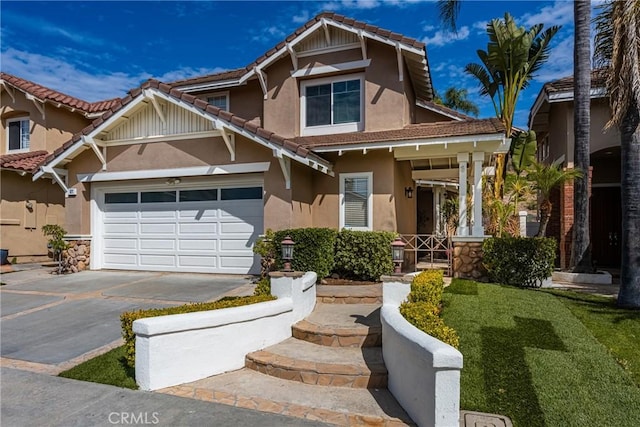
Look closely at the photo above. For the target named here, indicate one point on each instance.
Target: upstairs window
(221, 101)
(332, 105)
(18, 134)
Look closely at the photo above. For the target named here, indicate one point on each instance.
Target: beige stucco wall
(49, 133)
(21, 228)
(405, 208)
(179, 154)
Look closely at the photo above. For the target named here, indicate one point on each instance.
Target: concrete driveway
(50, 323)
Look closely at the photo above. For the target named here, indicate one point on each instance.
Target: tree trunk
(581, 249)
(545, 215)
(629, 295)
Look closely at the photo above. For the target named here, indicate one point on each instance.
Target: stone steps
(342, 325)
(333, 405)
(345, 294)
(309, 363)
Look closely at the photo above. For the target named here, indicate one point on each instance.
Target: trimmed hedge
(127, 318)
(263, 287)
(364, 255)
(519, 261)
(427, 287)
(313, 250)
(422, 308)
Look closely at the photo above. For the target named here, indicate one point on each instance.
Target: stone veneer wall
(467, 261)
(77, 256)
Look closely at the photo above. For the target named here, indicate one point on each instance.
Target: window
(356, 201)
(241, 193)
(113, 198)
(220, 101)
(198, 195)
(18, 134)
(158, 196)
(332, 105)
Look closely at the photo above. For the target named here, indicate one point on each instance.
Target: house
(333, 127)
(552, 118)
(35, 121)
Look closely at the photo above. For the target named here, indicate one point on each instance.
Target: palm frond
(449, 11)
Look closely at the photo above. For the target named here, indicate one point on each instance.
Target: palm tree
(581, 248)
(457, 99)
(513, 56)
(618, 47)
(546, 178)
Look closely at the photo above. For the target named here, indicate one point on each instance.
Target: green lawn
(109, 368)
(528, 355)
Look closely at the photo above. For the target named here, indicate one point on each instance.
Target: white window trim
(330, 129)
(225, 94)
(369, 177)
(18, 119)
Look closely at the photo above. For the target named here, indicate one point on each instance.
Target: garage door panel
(158, 228)
(236, 228)
(198, 228)
(197, 261)
(125, 243)
(121, 213)
(157, 260)
(236, 262)
(120, 228)
(197, 245)
(198, 214)
(116, 259)
(158, 244)
(159, 213)
(236, 245)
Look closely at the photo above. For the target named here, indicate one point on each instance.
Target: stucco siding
(20, 227)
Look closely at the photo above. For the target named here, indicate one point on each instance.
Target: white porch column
(463, 227)
(478, 228)
(436, 210)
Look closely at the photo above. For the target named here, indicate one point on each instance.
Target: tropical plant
(513, 56)
(581, 247)
(523, 151)
(617, 46)
(545, 179)
(458, 99)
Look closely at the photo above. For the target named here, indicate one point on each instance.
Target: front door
(606, 218)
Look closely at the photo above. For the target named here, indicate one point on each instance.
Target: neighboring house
(35, 121)
(333, 127)
(552, 119)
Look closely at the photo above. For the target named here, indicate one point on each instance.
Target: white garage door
(204, 230)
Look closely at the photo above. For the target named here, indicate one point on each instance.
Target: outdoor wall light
(397, 255)
(408, 192)
(287, 252)
(173, 181)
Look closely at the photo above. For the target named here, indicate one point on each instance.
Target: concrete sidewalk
(30, 399)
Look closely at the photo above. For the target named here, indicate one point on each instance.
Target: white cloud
(480, 27)
(560, 62)
(367, 4)
(268, 34)
(68, 78)
(443, 37)
(301, 18)
(559, 13)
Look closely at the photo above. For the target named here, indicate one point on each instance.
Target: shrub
(427, 287)
(313, 250)
(127, 318)
(520, 261)
(364, 255)
(263, 287)
(266, 248)
(424, 316)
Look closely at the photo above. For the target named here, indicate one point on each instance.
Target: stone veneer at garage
(77, 256)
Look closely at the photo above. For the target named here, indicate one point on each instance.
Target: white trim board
(175, 172)
(333, 68)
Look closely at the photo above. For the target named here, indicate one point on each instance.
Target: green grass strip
(109, 368)
(527, 356)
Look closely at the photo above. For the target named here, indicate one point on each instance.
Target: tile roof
(598, 80)
(446, 110)
(237, 73)
(410, 132)
(202, 105)
(46, 94)
(23, 161)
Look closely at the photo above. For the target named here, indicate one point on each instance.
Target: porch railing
(428, 251)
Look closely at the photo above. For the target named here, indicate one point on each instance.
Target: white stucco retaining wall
(424, 372)
(180, 348)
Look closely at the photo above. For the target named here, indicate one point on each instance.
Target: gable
(147, 122)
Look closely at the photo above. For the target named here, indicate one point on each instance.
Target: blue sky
(99, 50)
